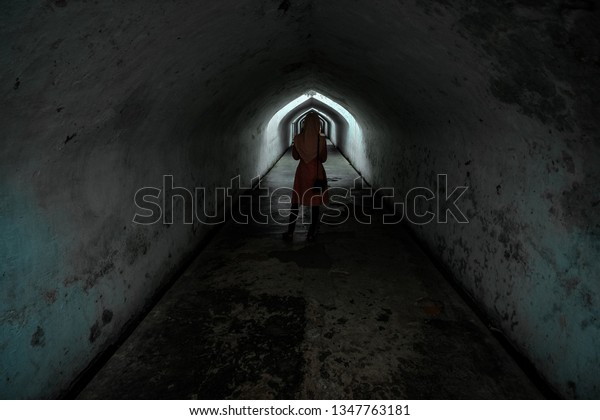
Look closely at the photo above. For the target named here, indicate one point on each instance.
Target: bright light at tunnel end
(355, 133)
(245, 205)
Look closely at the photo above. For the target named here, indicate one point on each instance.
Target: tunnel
(102, 99)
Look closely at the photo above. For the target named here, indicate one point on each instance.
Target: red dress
(306, 174)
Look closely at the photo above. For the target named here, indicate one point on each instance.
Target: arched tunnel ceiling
(412, 59)
(298, 122)
(326, 111)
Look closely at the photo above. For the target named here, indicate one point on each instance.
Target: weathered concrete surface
(99, 100)
(102, 98)
(502, 97)
(359, 314)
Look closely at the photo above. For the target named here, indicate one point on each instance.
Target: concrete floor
(361, 313)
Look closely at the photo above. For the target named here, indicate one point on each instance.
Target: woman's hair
(306, 141)
(311, 114)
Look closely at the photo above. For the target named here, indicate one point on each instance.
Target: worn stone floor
(361, 313)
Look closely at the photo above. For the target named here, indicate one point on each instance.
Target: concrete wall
(100, 99)
(502, 97)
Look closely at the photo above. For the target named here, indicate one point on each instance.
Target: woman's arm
(295, 153)
(323, 149)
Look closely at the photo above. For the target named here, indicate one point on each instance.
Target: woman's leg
(313, 230)
(292, 221)
(293, 217)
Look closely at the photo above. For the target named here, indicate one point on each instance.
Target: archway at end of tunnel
(327, 126)
(342, 126)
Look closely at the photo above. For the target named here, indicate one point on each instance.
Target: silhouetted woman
(310, 168)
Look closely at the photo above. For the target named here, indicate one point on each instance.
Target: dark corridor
(359, 314)
(102, 100)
